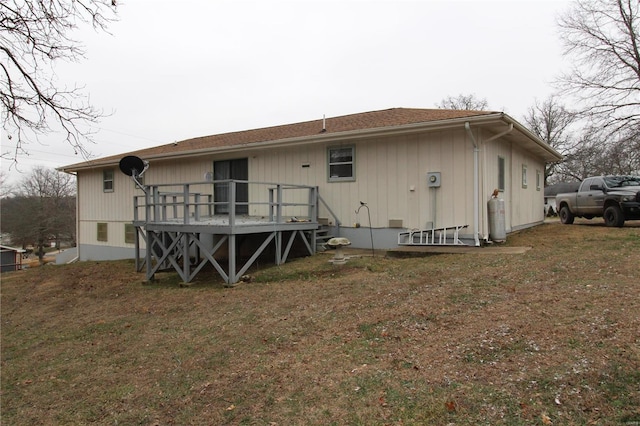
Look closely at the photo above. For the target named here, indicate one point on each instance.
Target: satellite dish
(133, 166)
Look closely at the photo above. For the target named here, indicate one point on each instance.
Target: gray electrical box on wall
(433, 179)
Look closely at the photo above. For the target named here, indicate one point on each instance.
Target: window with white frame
(107, 180)
(341, 164)
(524, 175)
(538, 180)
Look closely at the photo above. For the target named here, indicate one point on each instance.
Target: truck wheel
(566, 216)
(613, 216)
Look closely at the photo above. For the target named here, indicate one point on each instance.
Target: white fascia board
(334, 137)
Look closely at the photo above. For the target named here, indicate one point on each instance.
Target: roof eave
(330, 137)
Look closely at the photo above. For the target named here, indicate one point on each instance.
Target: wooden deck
(182, 227)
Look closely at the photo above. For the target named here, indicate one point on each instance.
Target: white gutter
(302, 140)
(480, 120)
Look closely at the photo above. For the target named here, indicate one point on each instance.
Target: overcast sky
(173, 70)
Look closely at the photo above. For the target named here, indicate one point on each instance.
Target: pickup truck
(615, 198)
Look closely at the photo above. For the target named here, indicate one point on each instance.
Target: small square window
(102, 232)
(129, 233)
(107, 180)
(341, 164)
(524, 175)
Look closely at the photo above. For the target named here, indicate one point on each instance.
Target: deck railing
(189, 203)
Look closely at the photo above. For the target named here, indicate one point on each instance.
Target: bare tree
(43, 208)
(584, 161)
(33, 36)
(602, 37)
(5, 187)
(464, 102)
(551, 122)
(622, 155)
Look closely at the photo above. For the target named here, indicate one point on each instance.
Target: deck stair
(447, 236)
(323, 234)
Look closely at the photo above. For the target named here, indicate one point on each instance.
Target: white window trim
(351, 178)
(105, 180)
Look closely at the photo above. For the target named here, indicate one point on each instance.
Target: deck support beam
(172, 250)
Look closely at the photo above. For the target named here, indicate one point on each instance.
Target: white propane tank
(497, 227)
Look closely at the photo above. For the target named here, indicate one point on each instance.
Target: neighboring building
(10, 259)
(382, 158)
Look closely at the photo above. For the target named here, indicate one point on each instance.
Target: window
(129, 233)
(538, 180)
(107, 180)
(524, 175)
(102, 232)
(341, 164)
(500, 173)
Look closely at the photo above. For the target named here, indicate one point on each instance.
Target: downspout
(75, 259)
(476, 178)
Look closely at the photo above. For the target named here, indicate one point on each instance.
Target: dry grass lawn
(551, 336)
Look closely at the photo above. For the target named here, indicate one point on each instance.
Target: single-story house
(415, 169)
(10, 258)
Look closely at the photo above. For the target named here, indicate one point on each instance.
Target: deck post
(137, 248)
(279, 204)
(278, 247)
(232, 278)
(150, 242)
(156, 202)
(232, 204)
(196, 213)
(271, 204)
(174, 200)
(147, 207)
(313, 204)
(186, 261)
(185, 200)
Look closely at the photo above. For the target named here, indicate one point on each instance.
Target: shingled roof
(363, 121)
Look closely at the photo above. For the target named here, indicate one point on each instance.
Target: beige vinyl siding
(489, 172)
(523, 206)
(105, 206)
(386, 169)
(528, 203)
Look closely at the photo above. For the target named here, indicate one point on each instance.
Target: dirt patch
(548, 335)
